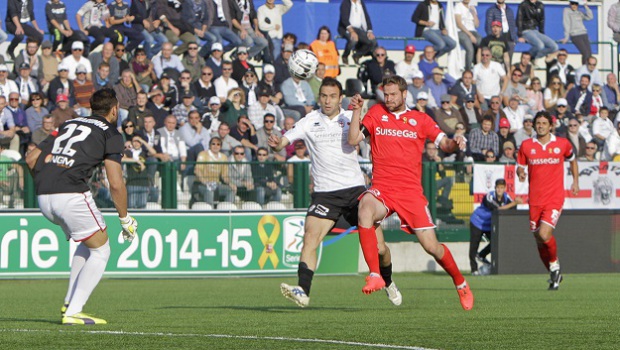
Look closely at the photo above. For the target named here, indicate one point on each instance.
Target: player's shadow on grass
(271, 309)
(13, 319)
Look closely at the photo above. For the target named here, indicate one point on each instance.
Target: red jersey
(545, 167)
(397, 143)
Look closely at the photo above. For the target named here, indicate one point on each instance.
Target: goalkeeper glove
(130, 227)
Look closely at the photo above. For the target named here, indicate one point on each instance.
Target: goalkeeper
(61, 166)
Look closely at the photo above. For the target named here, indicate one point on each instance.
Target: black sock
(386, 273)
(305, 275)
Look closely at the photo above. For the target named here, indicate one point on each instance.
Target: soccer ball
(485, 269)
(303, 64)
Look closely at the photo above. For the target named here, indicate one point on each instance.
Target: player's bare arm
(521, 173)
(118, 191)
(574, 170)
(355, 133)
(277, 143)
(459, 142)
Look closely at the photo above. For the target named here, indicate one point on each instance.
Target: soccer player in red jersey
(544, 156)
(397, 139)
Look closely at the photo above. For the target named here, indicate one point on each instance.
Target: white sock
(554, 266)
(462, 285)
(77, 263)
(89, 277)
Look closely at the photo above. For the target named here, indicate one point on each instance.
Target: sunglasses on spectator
(380, 54)
(445, 102)
(491, 156)
(207, 73)
(590, 147)
(575, 125)
(36, 99)
(120, 50)
(129, 126)
(215, 144)
(494, 102)
(240, 153)
(561, 106)
(270, 121)
(226, 69)
(193, 48)
(421, 99)
(13, 99)
(517, 75)
(77, 50)
(460, 128)
(556, 83)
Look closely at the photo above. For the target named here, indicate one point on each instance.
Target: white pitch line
(248, 337)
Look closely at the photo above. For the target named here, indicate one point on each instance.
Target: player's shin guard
(304, 277)
(386, 273)
(368, 241)
(544, 253)
(552, 250)
(448, 264)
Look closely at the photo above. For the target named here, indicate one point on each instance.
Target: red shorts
(411, 207)
(549, 214)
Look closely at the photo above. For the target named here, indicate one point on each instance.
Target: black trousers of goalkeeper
(475, 236)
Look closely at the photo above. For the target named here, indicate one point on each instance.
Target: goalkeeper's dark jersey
(70, 154)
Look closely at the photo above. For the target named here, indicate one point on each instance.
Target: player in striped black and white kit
(338, 182)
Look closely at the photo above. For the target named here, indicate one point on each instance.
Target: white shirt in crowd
(487, 79)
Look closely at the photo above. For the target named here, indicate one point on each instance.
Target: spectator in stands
(514, 89)
(150, 28)
(212, 180)
(325, 50)
(355, 26)
(8, 137)
(20, 22)
(6, 85)
(554, 92)
(181, 111)
(470, 113)
(289, 123)
(75, 59)
(575, 138)
(602, 127)
(120, 57)
(375, 69)
(562, 112)
(447, 117)
(574, 28)
(480, 223)
(234, 107)
(490, 157)
(417, 87)
(203, 87)
(249, 85)
(241, 65)
(175, 17)
(262, 135)
(63, 111)
(194, 134)
(143, 69)
(106, 56)
(483, 139)
(526, 67)
(244, 19)
(49, 66)
(467, 21)
(59, 85)
(298, 95)
(429, 19)
(157, 107)
(90, 19)
(20, 120)
(590, 69)
(535, 99)
(225, 83)
(508, 153)
(613, 21)
(257, 111)
(84, 90)
(171, 142)
(201, 20)
(30, 56)
(406, 68)
(270, 23)
(43, 131)
(167, 62)
(211, 119)
(137, 112)
(598, 100)
(11, 176)
(228, 142)
(464, 87)
(185, 87)
(504, 134)
(439, 84)
(498, 44)
(240, 173)
(487, 77)
(558, 66)
(428, 62)
(215, 60)
(444, 183)
(591, 154)
(514, 113)
(612, 92)
(25, 83)
(192, 62)
(531, 25)
(265, 181)
(422, 104)
(35, 110)
(579, 97)
(526, 132)
(316, 80)
(301, 155)
(222, 25)
(500, 12)
(281, 64)
(120, 20)
(169, 90)
(3, 35)
(245, 133)
(126, 92)
(611, 151)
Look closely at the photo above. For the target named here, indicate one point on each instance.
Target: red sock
(552, 249)
(368, 241)
(448, 264)
(544, 254)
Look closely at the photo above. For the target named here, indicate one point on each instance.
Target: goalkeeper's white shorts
(76, 213)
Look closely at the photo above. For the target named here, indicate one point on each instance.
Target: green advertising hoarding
(175, 245)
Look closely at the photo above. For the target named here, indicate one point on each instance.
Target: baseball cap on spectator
(269, 68)
(410, 49)
(417, 74)
(562, 102)
(62, 66)
(46, 44)
(299, 144)
(242, 49)
(214, 100)
(437, 70)
(24, 65)
(509, 144)
(80, 69)
(469, 97)
(528, 117)
(496, 24)
(62, 97)
(187, 95)
(217, 47)
(288, 47)
(504, 123)
(263, 91)
(249, 70)
(513, 98)
(164, 76)
(4, 68)
(446, 98)
(422, 95)
(77, 45)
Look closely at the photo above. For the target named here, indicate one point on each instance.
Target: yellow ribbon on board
(268, 240)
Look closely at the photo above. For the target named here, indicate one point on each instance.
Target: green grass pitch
(511, 312)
